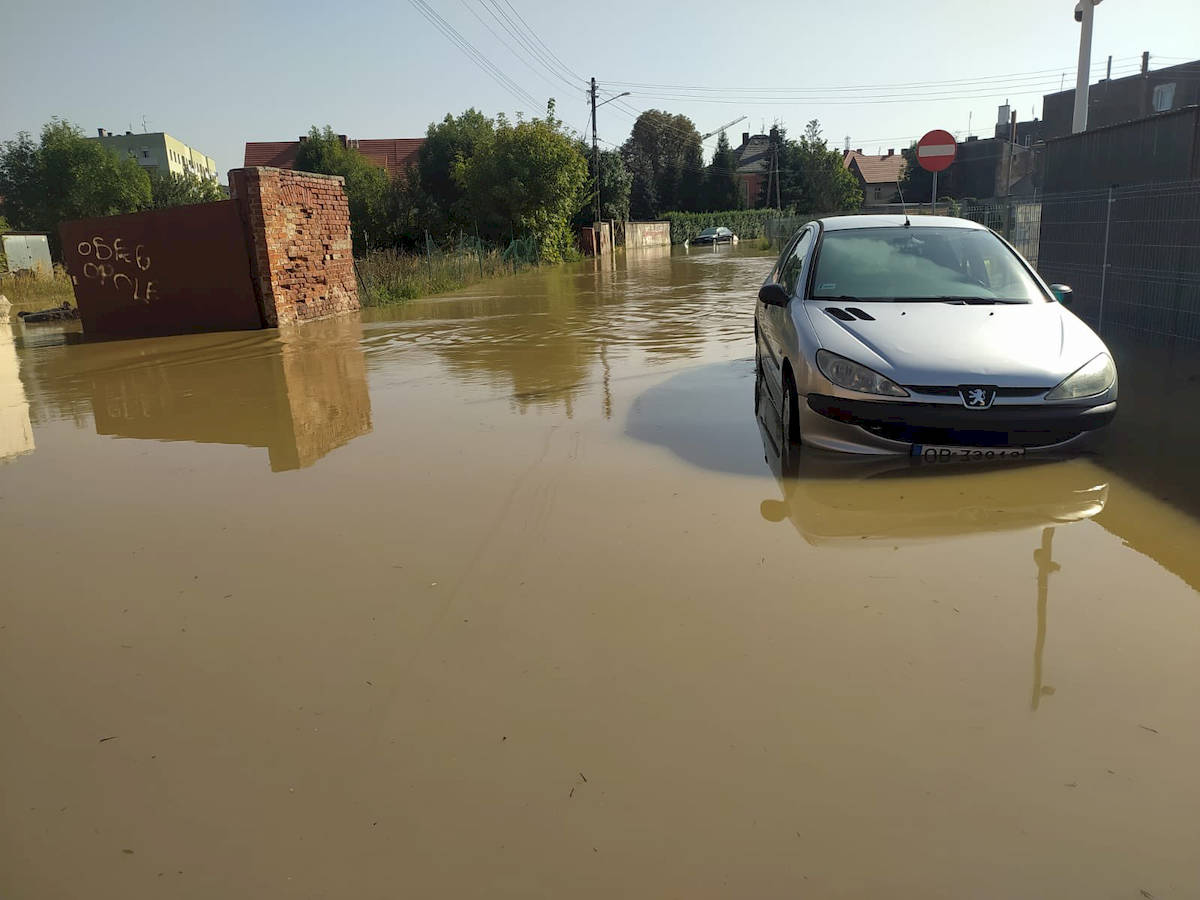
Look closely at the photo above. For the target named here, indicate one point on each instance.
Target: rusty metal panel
(165, 271)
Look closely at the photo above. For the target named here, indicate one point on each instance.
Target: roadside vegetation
(29, 292)
(486, 196)
(393, 276)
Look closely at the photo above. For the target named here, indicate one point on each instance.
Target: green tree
(812, 178)
(664, 156)
(66, 176)
(441, 203)
(367, 185)
(615, 183)
(721, 187)
(916, 185)
(173, 189)
(529, 178)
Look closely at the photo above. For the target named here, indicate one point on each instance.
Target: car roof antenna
(904, 209)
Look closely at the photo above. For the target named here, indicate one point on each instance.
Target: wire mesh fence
(393, 276)
(1131, 254)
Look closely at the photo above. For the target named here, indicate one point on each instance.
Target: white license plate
(936, 453)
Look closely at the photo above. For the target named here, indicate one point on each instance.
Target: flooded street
(509, 594)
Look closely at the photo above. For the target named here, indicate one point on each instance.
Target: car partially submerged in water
(928, 336)
(719, 235)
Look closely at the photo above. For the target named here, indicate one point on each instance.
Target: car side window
(789, 274)
(783, 258)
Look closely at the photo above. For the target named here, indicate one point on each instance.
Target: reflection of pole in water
(607, 380)
(1046, 567)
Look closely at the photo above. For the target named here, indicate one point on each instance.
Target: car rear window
(918, 263)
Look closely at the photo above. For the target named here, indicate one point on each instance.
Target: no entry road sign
(936, 151)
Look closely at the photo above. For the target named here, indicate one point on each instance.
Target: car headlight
(855, 377)
(1090, 379)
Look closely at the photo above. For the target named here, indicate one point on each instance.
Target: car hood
(1009, 345)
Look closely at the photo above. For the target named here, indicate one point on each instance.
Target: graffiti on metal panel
(123, 267)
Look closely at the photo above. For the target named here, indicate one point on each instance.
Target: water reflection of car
(834, 497)
(929, 336)
(719, 235)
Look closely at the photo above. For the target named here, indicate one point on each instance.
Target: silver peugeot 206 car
(927, 336)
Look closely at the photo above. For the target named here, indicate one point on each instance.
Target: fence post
(1104, 265)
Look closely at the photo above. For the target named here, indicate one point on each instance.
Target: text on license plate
(933, 452)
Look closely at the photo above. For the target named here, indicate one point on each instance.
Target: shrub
(747, 224)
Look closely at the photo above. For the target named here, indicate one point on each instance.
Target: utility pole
(595, 152)
(1085, 13)
(778, 202)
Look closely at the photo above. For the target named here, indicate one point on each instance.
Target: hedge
(745, 223)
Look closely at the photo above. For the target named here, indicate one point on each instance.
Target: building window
(878, 193)
(145, 153)
(1164, 97)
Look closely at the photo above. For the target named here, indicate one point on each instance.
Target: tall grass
(28, 292)
(390, 276)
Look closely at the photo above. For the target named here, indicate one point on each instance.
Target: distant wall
(298, 225)
(647, 234)
(26, 251)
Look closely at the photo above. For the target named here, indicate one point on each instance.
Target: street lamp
(611, 99)
(1085, 11)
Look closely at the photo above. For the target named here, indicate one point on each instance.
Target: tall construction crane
(705, 137)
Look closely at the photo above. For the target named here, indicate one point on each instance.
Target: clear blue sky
(217, 75)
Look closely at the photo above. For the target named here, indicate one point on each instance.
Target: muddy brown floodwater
(504, 597)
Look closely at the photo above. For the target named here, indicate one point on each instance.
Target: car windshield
(921, 264)
(709, 232)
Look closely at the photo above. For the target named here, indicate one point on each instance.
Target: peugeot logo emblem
(977, 396)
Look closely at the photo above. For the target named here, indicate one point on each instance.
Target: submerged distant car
(927, 336)
(720, 235)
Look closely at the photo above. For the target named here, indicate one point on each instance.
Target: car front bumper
(885, 426)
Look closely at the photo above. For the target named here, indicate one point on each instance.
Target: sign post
(935, 152)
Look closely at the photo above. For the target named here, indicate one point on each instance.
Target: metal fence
(1132, 254)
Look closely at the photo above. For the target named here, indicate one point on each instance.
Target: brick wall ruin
(298, 228)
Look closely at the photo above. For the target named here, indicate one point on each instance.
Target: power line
(519, 56)
(505, 22)
(1039, 88)
(490, 68)
(565, 67)
(1038, 73)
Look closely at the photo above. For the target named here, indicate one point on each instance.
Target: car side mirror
(1062, 293)
(773, 294)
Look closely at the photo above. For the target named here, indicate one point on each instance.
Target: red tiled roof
(886, 169)
(393, 154)
(280, 154)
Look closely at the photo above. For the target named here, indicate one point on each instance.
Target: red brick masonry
(298, 228)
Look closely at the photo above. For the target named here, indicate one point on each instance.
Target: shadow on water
(1157, 430)
(716, 417)
(704, 416)
(300, 393)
